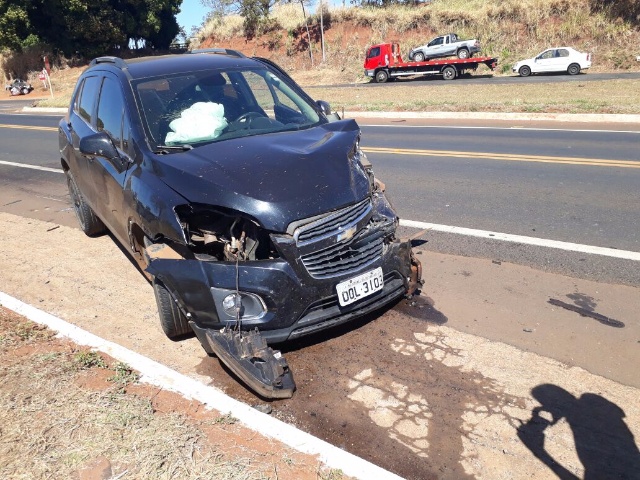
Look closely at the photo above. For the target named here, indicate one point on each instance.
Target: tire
(463, 53)
(418, 57)
(449, 73)
(381, 76)
(173, 322)
(574, 69)
(90, 224)
(524, 71)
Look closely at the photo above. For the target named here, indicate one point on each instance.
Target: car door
(112, 118)
(81, 120)
(547, 61)
(434, 48)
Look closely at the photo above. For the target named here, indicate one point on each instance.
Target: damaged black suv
(248, 205)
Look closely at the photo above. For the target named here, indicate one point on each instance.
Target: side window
(547, 54)
(563, 52)
(88, 97)
(374, 52)
(260, 91)
(110, 110)
(286, 101)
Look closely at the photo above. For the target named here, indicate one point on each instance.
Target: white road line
(32, 167)
(539, 242)
(159, 375)
(505, 237)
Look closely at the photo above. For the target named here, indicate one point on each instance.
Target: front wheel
(174, 323)
(90, 224)
(382, 76)
(449, 73)
(463, 53)
(418, 57)
(524, 71)
(574, 69)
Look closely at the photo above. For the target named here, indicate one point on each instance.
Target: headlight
(219, 234)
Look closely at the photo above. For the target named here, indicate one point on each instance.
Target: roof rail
(117, 61)
(220, 51)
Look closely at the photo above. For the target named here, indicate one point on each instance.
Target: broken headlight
(219, 235)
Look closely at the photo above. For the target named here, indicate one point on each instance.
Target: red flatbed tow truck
(384, 62)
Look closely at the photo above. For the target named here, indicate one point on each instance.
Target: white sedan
(559, 59)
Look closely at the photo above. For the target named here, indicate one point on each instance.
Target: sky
(191, 14)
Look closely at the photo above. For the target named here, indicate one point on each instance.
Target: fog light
(232, 304)
(250, 305)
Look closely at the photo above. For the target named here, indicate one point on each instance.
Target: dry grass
(614, 96)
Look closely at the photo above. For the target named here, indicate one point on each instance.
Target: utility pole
(322, 29)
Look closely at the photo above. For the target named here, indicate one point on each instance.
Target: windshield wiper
(164, 149)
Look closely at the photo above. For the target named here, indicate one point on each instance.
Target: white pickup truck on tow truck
(445, 46)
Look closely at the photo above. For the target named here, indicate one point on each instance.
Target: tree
(88, 27)
(14, 24)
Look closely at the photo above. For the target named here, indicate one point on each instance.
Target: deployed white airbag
(200, 122)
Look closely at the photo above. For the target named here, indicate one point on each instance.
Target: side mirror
(324, 107)
(98, 145)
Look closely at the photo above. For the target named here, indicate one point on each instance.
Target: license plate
(359, 287)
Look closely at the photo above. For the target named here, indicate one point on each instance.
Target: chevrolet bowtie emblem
(346, 234)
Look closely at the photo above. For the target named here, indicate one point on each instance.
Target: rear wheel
(418, 57)
(382, 76)
(463, 53)
(174, 323)
(449, 73)
(574, 69)
(90, 224)
(524, 71)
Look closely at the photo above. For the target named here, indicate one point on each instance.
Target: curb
(159, 375)
(44, 110)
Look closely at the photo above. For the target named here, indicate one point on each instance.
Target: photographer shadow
(604, 444)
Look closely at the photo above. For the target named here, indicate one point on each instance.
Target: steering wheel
(247, 117)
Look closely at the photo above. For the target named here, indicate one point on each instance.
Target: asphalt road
(537, 182)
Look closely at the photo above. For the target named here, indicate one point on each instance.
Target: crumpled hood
(274, 178)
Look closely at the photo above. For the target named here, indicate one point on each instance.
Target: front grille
(331, 224)
(345, 256)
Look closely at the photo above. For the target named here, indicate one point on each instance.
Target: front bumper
(296, 303)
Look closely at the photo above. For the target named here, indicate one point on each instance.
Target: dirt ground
(482, 378)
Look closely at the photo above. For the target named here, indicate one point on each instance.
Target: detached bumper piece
(262, 369)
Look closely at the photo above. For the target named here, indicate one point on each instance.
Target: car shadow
(604, 443)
